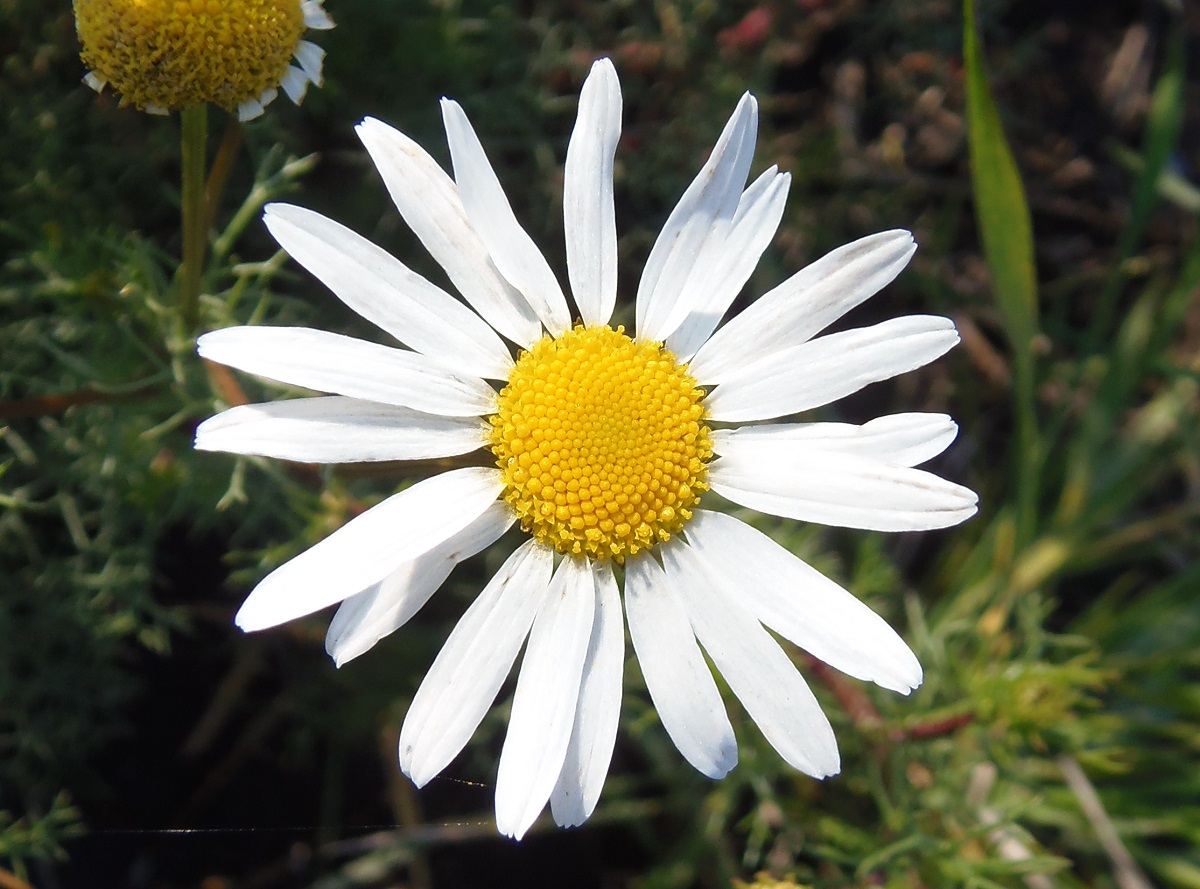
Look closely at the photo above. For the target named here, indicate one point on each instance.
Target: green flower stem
(195, 138)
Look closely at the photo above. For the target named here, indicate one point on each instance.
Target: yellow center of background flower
(602, 443)
(174, 54)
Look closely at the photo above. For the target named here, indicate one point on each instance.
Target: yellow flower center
(602, 443)
(174, 54)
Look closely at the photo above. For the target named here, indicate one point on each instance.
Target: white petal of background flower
(512, 250)
(597, 712)
(312, 59)
(725, 271)
(381, 609)
(544, 704)
(371, 546)
(342, 365)
(429, 201)
(699, 222)
(903, 439)
(756, 668)
(588, 214)
(804, 304)
(844, 490)
(800, 603)
(678, 678)
(335, 429)
(295, 84)
(823, 370)
(387, 293)
(315, 16)
(467, 674)
(247, 110)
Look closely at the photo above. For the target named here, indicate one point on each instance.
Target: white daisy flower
(604, 444)
(164, 55)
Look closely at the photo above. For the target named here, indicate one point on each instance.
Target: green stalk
(195, 138)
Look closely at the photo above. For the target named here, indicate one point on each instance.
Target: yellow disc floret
(172, 54)
(602, 443)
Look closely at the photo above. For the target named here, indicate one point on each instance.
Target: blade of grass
(1006, 232)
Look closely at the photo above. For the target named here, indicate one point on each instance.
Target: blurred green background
(145, 742)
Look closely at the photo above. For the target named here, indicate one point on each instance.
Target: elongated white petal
(336, 429)
(381, 609)
(512, 250)
(902, 439)
(843, 490)
(677, 677)
(756, 668)
(311, 59)
(371, 546)
(387, 293)
(295, 84)
(598, 711)
(726, 270)
(805, 304)
(429, 201)
(343, 365)
(247, 110)
(699, 222)
(800, 603)
(588, 215)
(817, 372)
(477, 657)
(544, 705)
(315, 16)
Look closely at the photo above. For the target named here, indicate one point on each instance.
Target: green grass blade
(1006, 232)
(1001, 210)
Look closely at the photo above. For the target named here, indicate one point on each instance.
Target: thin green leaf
(1001, 209)
(1005, 228)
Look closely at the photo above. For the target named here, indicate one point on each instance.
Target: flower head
(167, 55)
(605, 443)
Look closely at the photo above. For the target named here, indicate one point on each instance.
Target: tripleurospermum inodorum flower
(168, 55)
(603, 444)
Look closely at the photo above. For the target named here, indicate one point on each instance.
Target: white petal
(679, 681)
(295, 84)
(338, 430)
(726, 270)
(512, 250)
(699, 222)
(803, 305)
(381, 609)
(588, 215)
(598, 711)
(311, 58)
(543, 710)
(756, 668)
(819, 371)
(477, 657)
(247, 110)
(902, 439)
(342, 365)
(315, 16)
(800, 603)
(95, 81)
(387, 293)
(843, 490)
(429, 201)
(371, 546)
